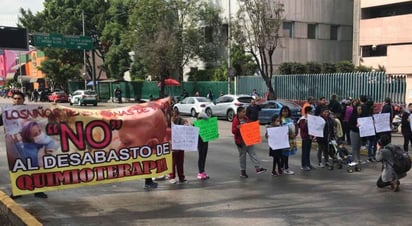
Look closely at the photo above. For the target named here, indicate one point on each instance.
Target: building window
(374, 51)
(288, 29)
(208, 34)
(334, 29)
(396, 9)
(312, 31)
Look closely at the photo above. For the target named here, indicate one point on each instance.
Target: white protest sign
(316, 125)
(184, 137)
(382, 122)
(278, 137)
(366, 127)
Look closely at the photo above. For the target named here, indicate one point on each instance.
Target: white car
(192, 105)
(226, 106)
(83, 97)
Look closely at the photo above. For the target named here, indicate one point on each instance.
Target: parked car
(271, 107)
(226, 106)
(44, 94)
(58, 96)
(192, 105)
(83, 97)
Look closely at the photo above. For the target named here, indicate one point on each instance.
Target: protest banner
(366, 127)
(278, 137)
(382, 122)
(250, 133)
(316, 125)
(185, 137)
(208, 129)
(57, 147)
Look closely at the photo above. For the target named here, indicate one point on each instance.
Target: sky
(10, 9)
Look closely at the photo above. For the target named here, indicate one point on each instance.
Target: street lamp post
(19, 80)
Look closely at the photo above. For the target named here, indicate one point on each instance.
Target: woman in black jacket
(354, 133)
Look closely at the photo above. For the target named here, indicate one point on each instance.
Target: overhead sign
(63, 41)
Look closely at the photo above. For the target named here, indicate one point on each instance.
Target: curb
(13, 214)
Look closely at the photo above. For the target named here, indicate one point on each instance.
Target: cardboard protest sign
(208, 129)
(250, 133)
(185, 137)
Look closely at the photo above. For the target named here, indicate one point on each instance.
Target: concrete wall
(386, 30)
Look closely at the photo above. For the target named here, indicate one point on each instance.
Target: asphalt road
(318, 197)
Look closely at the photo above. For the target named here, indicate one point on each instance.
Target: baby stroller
(341, 156)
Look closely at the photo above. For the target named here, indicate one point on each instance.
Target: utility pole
(228, 52)
(84, 54)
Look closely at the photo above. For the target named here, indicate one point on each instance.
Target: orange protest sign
(250, 133)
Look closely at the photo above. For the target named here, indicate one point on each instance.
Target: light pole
(228, 51)
(84, 54)
(19, 80)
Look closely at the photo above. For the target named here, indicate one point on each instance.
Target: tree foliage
(256, 29)
(65, 17)
(165, 35)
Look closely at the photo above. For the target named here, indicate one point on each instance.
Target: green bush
(345, 67)
(363, 68)
(328, 68)
(313, 68)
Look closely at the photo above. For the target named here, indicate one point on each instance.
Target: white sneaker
(172, 181)
(321, 165)
(288, 172)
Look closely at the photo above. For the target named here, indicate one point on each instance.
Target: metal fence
(378, 85)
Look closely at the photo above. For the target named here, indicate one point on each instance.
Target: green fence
(146, 89)
(378, 85)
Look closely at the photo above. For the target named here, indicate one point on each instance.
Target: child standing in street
(286, 120)
(306, 139)
(238, 120)
(276, 154)
(202, 148)
(178, 155)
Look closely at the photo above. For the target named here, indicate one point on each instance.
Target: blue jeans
(306, 146)
(372, 142)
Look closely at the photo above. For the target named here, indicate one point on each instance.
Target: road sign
(78, 42)
(61, 41)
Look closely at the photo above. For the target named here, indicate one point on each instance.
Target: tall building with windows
(316, 30)
(383, 35)
(313, 30)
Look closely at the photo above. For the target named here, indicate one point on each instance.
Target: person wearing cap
(202, 147)
(388, 176)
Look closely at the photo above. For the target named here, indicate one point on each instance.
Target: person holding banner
(275, 153)
(18, 99)
(238, 120)
(328, 135)
(178, 155)
(354, 133)
(306, 139)
(202, 147)
(286, 120)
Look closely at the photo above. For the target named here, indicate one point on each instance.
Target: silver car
(226, 106)
(192, 105)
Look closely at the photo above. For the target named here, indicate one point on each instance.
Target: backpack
(401, 160)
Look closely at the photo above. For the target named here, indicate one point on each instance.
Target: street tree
(165, 35)
(256, 30)
(58, 73)
(65, 17)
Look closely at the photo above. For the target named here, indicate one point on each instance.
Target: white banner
(184, 137)
(382, 122)
(366, 127)
(278, 137)
(316, 125)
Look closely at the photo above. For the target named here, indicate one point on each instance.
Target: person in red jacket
(240, 119)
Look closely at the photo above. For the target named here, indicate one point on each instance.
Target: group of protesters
(341, 126)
